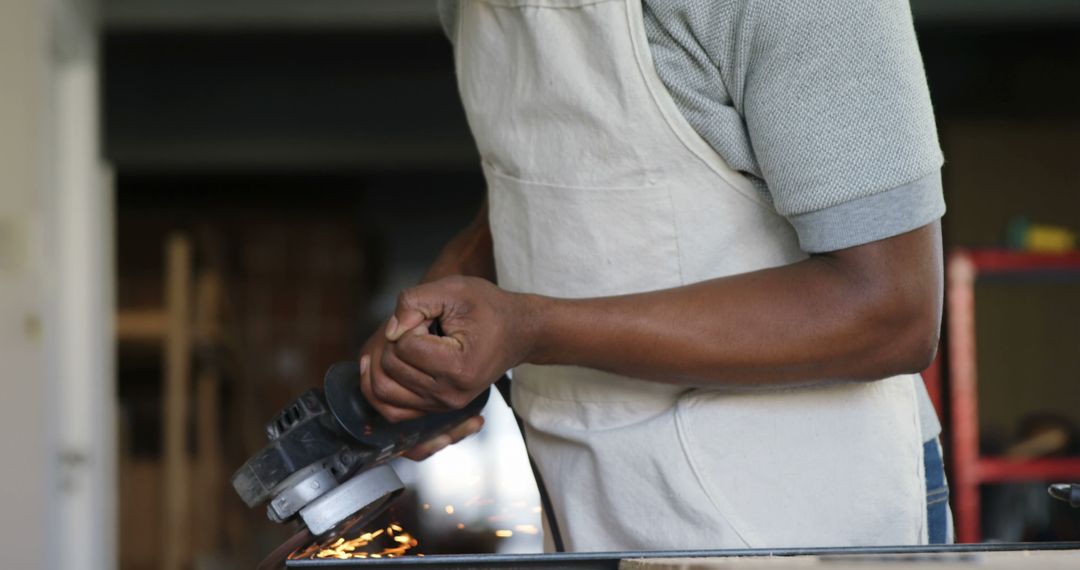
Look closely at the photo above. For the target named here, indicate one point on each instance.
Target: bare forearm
(469, 253)
(828, 318)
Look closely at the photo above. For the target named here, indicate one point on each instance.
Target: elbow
(917, 352)
(907, 334)
(897, 287)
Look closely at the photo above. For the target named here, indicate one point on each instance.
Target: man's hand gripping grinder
(326, 465)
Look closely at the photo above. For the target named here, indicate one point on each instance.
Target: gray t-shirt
(824, 105)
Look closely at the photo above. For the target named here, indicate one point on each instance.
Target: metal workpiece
(886, 556)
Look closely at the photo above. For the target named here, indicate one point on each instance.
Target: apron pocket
(577, 242)
(686, 426)
(617, 484)
(836, 465)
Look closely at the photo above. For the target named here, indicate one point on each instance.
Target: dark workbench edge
(610, 560)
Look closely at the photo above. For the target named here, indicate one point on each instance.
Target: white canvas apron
(598, 186)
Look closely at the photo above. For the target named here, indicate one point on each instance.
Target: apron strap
(503, 385)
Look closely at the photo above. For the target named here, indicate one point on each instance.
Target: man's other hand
(486, 331)
(380, 390)
(376, 345)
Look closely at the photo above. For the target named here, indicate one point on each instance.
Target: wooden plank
(209, 292)
(208, 434)
(208, 475)
(141, 325)
(177, 499)
(140, 502)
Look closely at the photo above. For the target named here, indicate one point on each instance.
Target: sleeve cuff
(872, 218)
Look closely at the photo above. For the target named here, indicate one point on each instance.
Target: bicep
(836, 102)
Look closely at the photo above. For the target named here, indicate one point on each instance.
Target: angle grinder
(326, 467)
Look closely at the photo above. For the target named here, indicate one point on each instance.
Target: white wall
(81, 347)
(56, 376)
(25, 441)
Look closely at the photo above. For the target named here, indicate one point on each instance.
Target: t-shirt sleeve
(838, 112)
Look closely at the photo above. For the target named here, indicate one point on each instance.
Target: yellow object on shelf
(1050, 239)
(1040, 238)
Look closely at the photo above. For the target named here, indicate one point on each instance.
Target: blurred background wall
(56, 292)
(278, 170)
(22, 59)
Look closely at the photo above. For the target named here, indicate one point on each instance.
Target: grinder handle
(360, 420)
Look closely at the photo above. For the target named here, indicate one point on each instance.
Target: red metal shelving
(969, 468)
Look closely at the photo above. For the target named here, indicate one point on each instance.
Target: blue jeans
(937, 494)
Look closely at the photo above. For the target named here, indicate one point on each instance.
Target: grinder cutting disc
(354, 504)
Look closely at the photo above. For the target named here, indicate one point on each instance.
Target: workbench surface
(1052, 556)
(1053, 560)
